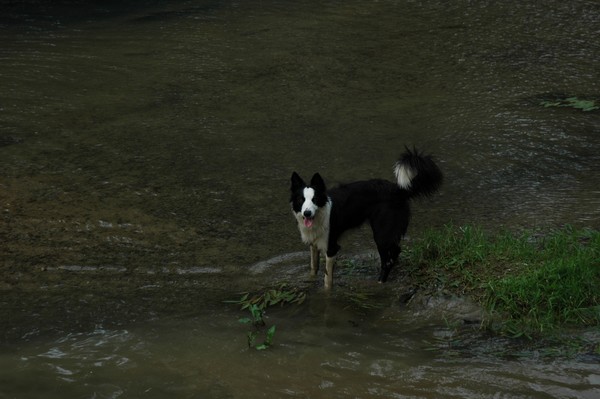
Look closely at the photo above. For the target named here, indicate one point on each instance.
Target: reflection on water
(142, 142)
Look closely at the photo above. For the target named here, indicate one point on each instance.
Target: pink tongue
(308, 222)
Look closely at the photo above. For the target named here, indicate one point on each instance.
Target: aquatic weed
(257, 303)
(258, 322)
(572, 102)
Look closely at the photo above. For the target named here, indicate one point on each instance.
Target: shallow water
(321, 350)
(145, 148)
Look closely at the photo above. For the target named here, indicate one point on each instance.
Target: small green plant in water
(258, 322)
(572, 102)
(256, 305)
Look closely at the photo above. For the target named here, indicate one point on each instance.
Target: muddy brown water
(145, 152)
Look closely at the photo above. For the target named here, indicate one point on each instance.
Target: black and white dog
(324, 215)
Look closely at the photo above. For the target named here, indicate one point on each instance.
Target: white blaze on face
(309, 205)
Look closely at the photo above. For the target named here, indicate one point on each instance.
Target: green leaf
(251, 338)
(270, 335)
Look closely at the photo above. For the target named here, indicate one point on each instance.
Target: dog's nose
(307, 214)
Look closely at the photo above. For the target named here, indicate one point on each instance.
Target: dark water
(150, 146)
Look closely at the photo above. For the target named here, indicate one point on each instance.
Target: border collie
(324, 215)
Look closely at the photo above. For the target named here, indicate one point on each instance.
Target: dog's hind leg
(314, 260)
(388, 228)
(389, 258)
(329, 263)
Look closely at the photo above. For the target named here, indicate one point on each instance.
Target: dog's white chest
(318, 233)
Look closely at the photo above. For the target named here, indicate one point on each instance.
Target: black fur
(383, 204)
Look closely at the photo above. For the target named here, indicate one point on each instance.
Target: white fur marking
(309, 205)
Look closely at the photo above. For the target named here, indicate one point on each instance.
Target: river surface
(145, 156)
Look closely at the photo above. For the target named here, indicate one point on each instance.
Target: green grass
(531, 284)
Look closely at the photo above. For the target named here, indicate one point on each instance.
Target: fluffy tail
(417, 173)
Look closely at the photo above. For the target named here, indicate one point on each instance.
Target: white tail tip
(404, 174)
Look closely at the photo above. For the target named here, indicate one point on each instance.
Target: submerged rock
(446, 306)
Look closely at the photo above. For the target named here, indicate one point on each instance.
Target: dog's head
(307, 200)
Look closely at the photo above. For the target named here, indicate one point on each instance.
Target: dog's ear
(317, 182)
(297, 182)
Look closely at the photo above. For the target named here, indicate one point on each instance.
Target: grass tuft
(531, 284)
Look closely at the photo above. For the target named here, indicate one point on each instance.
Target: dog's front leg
(329, 262)
(314, 260)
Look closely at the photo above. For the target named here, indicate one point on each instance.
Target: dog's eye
(298, 201)
(320, 200)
